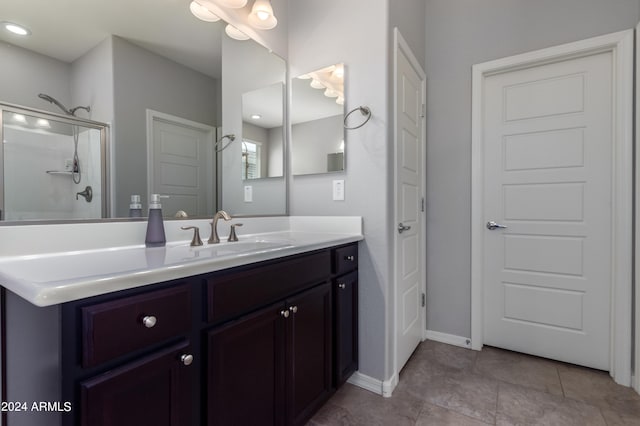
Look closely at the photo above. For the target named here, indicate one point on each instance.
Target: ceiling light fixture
(233, 4)
(16, 29)
(43, 123)
(202, 13)
(262, 16)
(19, 118)
(235, 33)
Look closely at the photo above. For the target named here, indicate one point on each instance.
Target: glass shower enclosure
(53, 167)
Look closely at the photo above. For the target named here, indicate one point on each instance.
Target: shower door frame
(103, 128)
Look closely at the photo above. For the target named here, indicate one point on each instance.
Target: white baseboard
(450, 339)
(383, 388)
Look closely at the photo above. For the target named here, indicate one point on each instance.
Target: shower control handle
(87, 194)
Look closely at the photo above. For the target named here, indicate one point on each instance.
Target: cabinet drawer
(113, 328)
(346, 259)
(233, 294)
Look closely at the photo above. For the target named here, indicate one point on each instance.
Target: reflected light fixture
(43, 123)
(233, 4)
(261, 16)
(202, 13)
(330, 93)
(316, 84)
(15, 28)
(340, 100)
(256, 116)
(235, 33)
(19, 118)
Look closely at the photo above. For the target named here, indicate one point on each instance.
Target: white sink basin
(186, 252)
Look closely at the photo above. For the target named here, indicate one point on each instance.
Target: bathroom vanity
(266, 341)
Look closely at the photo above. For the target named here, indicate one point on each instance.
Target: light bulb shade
(340, 100)
(261, 16)
(316, 84)
(330, 93)
(233, 4)
(235, 33)
(202, 13)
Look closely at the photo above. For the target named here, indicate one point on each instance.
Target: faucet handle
(232, 234)
(196, 241)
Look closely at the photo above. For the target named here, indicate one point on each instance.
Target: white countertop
(76, 268)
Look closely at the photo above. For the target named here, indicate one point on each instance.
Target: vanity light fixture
(233, 4)
(340, 100)
(330, 93)
(202, 13)
(316, 84)
(261, 16)
(15, 28)
(235, 33)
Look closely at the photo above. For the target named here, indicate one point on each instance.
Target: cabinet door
(152, 391)
(309, 343)
(245, 374)
(346, 326)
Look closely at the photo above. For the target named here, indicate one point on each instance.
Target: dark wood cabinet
(346, 326)
(260, 344)
(309, 343)
(272, 367)
(245, 370)
(154, 390)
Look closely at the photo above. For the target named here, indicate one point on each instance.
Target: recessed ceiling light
(15, 28)
(256, 116)
(19, 118)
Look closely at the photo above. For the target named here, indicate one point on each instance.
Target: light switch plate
(248, 194)
(338, 190)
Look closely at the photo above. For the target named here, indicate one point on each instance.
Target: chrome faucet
(214, 238)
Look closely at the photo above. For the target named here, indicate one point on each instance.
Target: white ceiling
(66, 29)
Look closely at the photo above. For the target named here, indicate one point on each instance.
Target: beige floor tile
(432, 415)
(518, 405)
(519, 369)
(355, 406)
(597, 388)
(466, 393)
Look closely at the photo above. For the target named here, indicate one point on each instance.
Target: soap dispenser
(155, 226)
(135, 208)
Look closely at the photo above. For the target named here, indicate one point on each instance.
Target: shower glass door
(53, 167)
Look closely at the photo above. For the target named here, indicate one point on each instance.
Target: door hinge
(422, 204)
(424, 110)
(424, 300)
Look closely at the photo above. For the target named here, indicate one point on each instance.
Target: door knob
(402, 228)
(491, 225)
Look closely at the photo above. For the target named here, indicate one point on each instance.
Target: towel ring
(364, 111)
(231, 138)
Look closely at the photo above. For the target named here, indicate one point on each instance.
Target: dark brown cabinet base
(262, 344)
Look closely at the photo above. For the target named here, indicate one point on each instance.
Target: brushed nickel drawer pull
(149, 321)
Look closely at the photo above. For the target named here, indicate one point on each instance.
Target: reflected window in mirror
(262, 135)
(317, 126)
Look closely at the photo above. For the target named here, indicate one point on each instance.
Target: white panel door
(409, 256)
(183, 168)
(548, 178)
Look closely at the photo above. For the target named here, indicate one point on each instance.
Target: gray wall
(327, 32)
(311, 141)
(24, 74)
(460, 33)
(144, 80)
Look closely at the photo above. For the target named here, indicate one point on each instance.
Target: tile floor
(448, 385)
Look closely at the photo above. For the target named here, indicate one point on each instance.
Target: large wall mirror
(160, 91)
(317, 127)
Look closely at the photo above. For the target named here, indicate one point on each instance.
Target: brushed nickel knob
(149, 321)
(350, 258)
(284, 313)
(186, 359)
(342, 286)
(293, 309)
